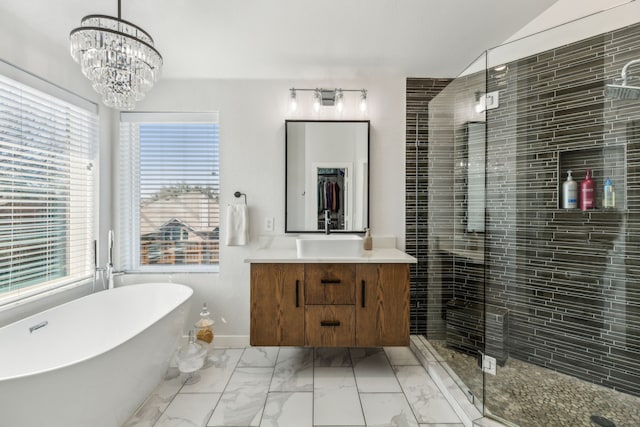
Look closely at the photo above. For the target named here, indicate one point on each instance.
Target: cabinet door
(382, 305)
(277, 304)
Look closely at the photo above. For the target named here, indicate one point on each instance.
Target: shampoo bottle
(587, 192)
(569, 193)
(609, 196)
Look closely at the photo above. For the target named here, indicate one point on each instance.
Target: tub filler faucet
(107, 271)
(109, 268)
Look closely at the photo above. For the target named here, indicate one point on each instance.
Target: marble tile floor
(299, 387)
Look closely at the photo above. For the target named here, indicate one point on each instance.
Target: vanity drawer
(330, 283)
(330, 325)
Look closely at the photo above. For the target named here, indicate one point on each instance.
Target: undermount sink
(329, 246)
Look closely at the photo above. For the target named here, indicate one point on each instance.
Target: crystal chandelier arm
(118, 33)
(122, 21)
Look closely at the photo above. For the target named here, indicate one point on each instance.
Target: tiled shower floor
(532, 396)
(298, 387)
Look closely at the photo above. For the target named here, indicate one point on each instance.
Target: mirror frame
(286, 174)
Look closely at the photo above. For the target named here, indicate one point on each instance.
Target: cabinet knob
(329, 281)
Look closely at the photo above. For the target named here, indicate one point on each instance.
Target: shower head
(622, 91)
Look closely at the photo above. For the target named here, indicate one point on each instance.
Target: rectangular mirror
(327, 175)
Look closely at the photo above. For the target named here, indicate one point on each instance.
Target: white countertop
(382, 255)
(282, 249)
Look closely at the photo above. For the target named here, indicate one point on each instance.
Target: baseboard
(230, 341)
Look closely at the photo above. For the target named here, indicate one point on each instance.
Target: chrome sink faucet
(327, 222)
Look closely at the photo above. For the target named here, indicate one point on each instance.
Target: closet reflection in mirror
(327, 176)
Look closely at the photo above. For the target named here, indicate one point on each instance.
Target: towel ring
(238, 194)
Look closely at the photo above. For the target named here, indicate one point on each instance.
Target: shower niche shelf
(605, 162)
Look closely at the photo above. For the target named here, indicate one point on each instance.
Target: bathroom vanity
(351, 302)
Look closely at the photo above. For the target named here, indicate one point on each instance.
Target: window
(47, 218)
(170, 213)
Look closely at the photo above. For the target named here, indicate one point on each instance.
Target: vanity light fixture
(118, 57)
(323, 97)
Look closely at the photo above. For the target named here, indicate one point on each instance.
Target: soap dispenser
(569, 193)
(204, 326)
(367, 243)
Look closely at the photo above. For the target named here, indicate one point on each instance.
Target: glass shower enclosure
(533, 306)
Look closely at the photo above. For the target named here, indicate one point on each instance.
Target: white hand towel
(237, 225)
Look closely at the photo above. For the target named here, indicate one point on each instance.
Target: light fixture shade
(339, 100)
(293, 101)
(118, 57)
(363, 100)
(317, 100)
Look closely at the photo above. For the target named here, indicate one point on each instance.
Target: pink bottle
(587, 192)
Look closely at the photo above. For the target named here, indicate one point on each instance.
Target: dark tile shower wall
(568, 281)
(573, 305)
(419, 92)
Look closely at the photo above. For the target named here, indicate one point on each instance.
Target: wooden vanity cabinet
(330, 304)
(382, 305)
(277, 305)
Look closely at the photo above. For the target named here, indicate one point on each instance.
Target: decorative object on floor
(204, 326)
(190, 358)
(118, 57)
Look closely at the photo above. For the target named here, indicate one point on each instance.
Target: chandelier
(118, 57)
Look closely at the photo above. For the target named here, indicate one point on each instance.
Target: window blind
(169, 190)
(47, 153)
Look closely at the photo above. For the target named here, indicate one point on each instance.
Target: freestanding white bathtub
(90, 362)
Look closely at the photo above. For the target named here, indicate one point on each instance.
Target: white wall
(252, 115)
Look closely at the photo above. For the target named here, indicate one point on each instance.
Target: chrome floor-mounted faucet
(107, 272)
(109, 268)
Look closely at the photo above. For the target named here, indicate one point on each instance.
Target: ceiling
(258, 39)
